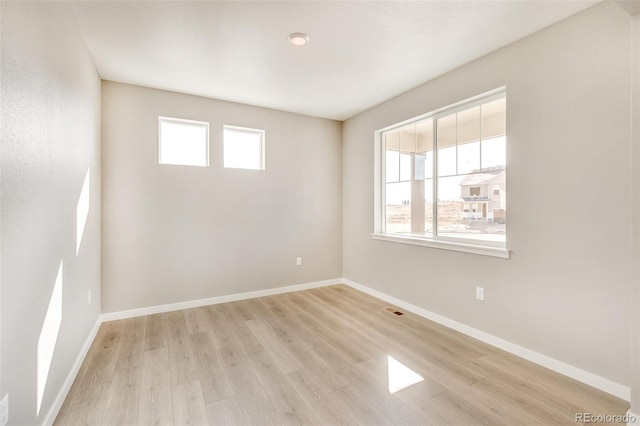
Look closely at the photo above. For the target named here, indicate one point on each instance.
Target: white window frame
(488, 248)
(204, 124)
(262, 133)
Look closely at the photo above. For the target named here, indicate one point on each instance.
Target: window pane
(405, 166)
(469, 125)
(398, 208)
(183, 143)
(447, 145)
(494, 153)
(428, 207)
(468, 206)
(243, 148)
(469, 140)
(447, 161)
(472, 205)
(449, 205)
(424, 149)
(494, 118)
(407, 151)
(392, 156)
(493, 143)
(419, 165)
(393, 165)
(469, 158)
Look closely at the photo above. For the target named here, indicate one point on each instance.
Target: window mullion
(399, 159)
(480, 140)
(434, 201)
(383, 179)
(457, 171)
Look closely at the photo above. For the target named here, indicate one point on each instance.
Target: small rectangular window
(183, 142)
(243, 148)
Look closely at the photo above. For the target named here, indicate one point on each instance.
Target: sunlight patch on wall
(401, 376)
(48, 337)
(82, 210)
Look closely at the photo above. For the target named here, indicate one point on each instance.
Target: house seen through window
(445, 174)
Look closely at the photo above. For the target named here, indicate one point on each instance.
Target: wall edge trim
(149, 310)
(111, 316)
(66, 387)
(560, 367)
(593, 380)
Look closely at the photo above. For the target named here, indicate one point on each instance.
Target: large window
(183, 142)
(442, 177)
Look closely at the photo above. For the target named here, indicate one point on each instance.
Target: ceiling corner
(632, 7)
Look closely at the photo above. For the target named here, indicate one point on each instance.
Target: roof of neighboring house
(482, 178)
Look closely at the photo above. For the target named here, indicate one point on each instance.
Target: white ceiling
(360, 53)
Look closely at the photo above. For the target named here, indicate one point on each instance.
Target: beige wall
(565, 290)
(178, 233)
(635, 289)
(50, 137)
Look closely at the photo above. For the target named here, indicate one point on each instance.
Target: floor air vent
(394, 311)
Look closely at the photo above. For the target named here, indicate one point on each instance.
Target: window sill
(445, 245)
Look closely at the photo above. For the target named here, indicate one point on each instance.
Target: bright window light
(243, 148)
(183, 142)
(401, 376)
(442, 176)
(82, 210)
(48, 338)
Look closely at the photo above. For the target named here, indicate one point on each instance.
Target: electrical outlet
(298, 261)
(89, 297)
(4, 410)
(480, 293)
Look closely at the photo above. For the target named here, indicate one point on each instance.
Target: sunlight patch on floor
(401, 376)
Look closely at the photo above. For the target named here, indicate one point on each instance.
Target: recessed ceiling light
(298, 39)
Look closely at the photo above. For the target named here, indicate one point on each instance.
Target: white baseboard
(633, 418)
(62, 395)
(590, 379)
(111, 316)
(57, 404)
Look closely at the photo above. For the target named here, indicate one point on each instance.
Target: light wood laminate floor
(319, 356)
